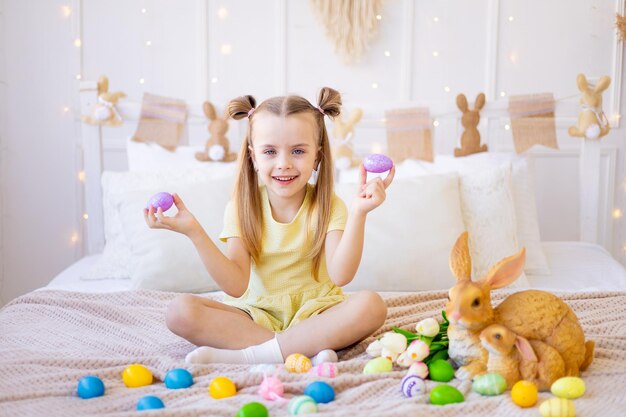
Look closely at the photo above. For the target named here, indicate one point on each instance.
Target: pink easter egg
(163, 200)
(326, 369)
(377, 163)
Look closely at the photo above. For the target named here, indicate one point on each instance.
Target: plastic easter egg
(271, 388)
(412, 386)
(222, 387)
(489, 384)
(302, 404)
(320, 391)
(298, 363)
(90, 387)
(378, 365)
(445, 394)
(253, 409)
(325, 369)
(136, 376)
(557, 407)
(377, 163)
(524, 393)
(149, 402)
(178, 378)
(162, 200)
(570, 387)
(440, 370)
(419, 369)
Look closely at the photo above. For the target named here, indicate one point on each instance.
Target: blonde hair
(247, 195)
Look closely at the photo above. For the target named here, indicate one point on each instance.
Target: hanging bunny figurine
(343, 131)
(592, 122)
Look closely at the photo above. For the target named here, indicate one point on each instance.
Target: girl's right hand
(182, 222)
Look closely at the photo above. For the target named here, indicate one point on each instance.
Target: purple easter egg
(163, 200)
(377, 163)
(412, 385)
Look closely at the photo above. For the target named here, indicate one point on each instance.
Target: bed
(106, 311)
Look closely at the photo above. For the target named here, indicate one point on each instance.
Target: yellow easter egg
(557, 407)
(298, 363)
(222, 387)
(378, 365)
(136, 376)
(570, 387)
(524, 393)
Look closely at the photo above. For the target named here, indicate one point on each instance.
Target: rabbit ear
(525, 348)
(507, 270)
(103, 84)
(602, 84)
(581, 81)
(355, 116)
(461, 102)
(460, 261)
(209, 110)
(480, 102)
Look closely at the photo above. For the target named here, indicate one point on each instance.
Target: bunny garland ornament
(343, 131)
(216, 148)
(470, 139)
(104, 112)
(592, 122)
(532, 314)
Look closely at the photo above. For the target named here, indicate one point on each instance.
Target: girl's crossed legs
(230, 332)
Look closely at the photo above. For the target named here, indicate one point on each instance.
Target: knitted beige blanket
(50, 339)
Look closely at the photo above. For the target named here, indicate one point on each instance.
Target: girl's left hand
(372, 193)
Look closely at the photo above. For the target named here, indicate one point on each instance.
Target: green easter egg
(378, 365)
(445, 394)
(253, 409)
(569, 387)
(440, 370)
(489, 384)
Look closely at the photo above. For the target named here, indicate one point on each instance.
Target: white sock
(266, 352)
(326, 355)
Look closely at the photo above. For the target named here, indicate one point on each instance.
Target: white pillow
(116, 261)
(166, 260)
(409, 237)
(489, 215)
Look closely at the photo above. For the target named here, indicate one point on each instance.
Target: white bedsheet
(575, 266)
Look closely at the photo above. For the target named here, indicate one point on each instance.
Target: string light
(435, 122)
(435, 54)
(507, 126)
(502, 94)
(144, 10)
(79, 77)
(513, 58)
(436, 19)
(446, 89)
(374, 85)
(226, 49)
(617, 213)
(74, 238)
(142, 81)
(214, 80)
(66, 109)
(67, 11)
(387, 53)
(148, 43)
(222, 13)
(85, 216)
(378, 17)
(510, 18)
(81, 176)
(78, 43)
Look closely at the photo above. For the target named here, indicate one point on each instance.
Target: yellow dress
(282, 290)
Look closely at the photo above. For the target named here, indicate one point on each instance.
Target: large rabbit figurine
(343, 131)
(470, 139)
(217, 147)
(515, 357)
(592, 123)
(532, 314)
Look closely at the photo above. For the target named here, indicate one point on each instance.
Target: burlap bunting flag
(409, 134)
(162, 121)
(532, 121)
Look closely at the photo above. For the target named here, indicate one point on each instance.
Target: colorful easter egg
(178, 378)
(320, 391)
(570, 387)
(377, 163)
(222, 387)
(445, 394)
(440, 370)
(325, 369)
(298, 363)
(90, 387)
(557, 407)
(162, 200)
(136, 376)
(412, 386)
(253, 409)
(378, 365)
(524, 393)
(489, 384)
(302, 404)
(419, 369)
(149, 402)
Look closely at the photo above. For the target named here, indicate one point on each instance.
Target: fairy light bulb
(142, 81)
(222, 13)
(66, 10)
(66, 109)
(79, 77)
(435, 122)
(226, 49)
(148, 43)
(436, 19)
(435, 54)
(502, 94)
(78, 43)
(144, 10)
(446, 89)
(376, 148)
(507, 126)
(214, 80)
(378, 17)
(74, 238)
(85, 216)
(374, 85)
(387, 53)
(617, 213)
(511, 18)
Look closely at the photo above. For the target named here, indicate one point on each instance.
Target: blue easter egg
(320, 391)
(90, 386)
(178, 378)
(149, 402)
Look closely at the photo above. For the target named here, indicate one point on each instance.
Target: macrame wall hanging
(350, 24)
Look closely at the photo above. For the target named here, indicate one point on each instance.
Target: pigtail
(329, 101)
(240, 107)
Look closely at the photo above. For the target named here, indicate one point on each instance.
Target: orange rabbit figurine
(532, 314)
